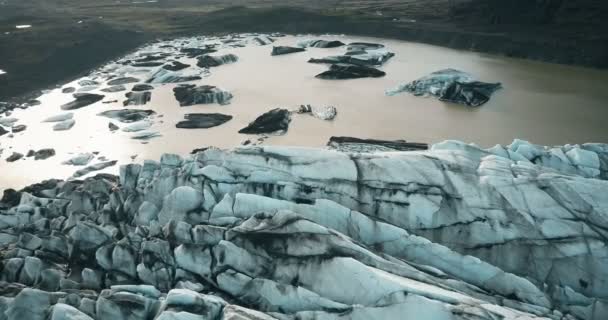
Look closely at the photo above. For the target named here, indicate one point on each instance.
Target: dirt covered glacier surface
(453, 232)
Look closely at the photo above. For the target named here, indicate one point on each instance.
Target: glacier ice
(453, 232)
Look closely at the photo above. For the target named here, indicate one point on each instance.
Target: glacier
(453, 232)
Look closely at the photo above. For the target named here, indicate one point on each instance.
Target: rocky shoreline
(513, 232)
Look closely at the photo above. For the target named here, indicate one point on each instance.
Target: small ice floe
(23, 26)
(7, 122)
(323, 113)
(80, 160)
(145, 135)
(137, 126)
(64, 125)
(2, 72)
(59, 117)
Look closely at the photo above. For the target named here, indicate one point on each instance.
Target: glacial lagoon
(544, 103)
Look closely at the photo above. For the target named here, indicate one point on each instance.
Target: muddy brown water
(544, 103)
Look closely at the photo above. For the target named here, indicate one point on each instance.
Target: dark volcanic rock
(68, 90)
(142, 87)
(208, 61)
(43, 154)
(190, 94)
(452, 86)
(350, 144)
(273, 121)
(121, 81)
(175, 66)
(345, 71)
(321, 43)
(18, 128)
(82, 100)
(127, 115)
(203, 120)
(117, 88)
(280, 50)
(3, 131)
(14, 157)
(137, 98)
(195, 52)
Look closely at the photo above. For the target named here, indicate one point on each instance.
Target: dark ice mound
(121, 81)
(321, 43)
(147, 64)
(44, 154)
(127, 115)
(163, 75)
(82, 100)
(203, 120)
(208, 61)
(137, 98)
(347, 71)
(142, 87)
(189, 95)
(359, 53)
(273, 121)
(114, 89)
(195, 52)
(175, 66)
(280, 50)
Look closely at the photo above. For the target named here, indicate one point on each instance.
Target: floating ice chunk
(208, 61)
(8, 122)
(162, 75)
(450, 85)
(127, 115)
(59, 117)
(323, 113)
(64, 125)
(145, 135)
(359, 53)
(137, 126)
(189, 95)
(320, 43)
(281, 50)
(80, 160)
(263, 40)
